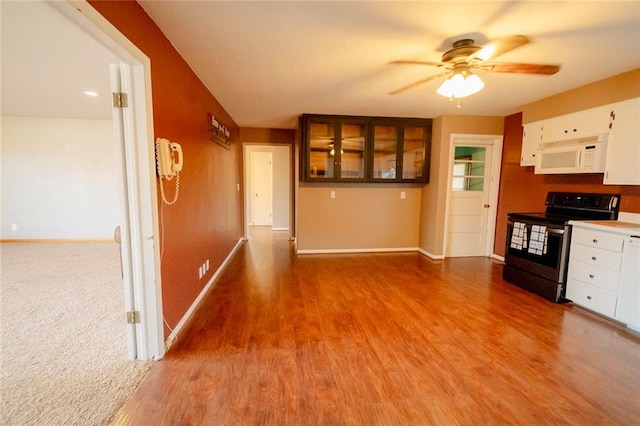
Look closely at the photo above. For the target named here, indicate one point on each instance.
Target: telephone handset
(169, 161)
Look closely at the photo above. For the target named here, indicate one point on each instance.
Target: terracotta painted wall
(523, 191)
(267, 136)
(206, 222)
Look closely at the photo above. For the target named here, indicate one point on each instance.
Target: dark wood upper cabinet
(365, 149)
(335, 149)
(401, 150)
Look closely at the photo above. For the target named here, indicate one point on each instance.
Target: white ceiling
(47, 63)
(269, 62)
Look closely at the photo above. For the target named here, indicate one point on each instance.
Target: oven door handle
(556, 231)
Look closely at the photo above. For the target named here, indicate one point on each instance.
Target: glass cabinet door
(321, 150)
(385, 148)
(414, 146)
(339, 148)
(352, 151)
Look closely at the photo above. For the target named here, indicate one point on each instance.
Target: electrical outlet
(403, 195)
(202, 270)
(333, 194)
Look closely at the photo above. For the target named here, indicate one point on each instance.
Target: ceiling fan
(465, 58)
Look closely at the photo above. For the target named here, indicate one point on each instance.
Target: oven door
(544, 254)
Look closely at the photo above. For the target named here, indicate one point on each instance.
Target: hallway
(364, 339)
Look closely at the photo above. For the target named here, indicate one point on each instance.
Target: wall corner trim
(430, 255)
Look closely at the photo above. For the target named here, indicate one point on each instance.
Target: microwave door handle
(580, 158)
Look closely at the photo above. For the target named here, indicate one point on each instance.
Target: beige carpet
(63, 344)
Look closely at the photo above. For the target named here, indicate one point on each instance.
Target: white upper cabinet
(576, 125)
(622, 165)
(531, 137)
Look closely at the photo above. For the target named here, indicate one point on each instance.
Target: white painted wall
(59, 179)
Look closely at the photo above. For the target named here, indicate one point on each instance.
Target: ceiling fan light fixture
(459, 86)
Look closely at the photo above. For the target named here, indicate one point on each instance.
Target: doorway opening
(268, 187)
(132, 127)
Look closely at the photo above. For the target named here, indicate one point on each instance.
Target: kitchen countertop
(614, 226)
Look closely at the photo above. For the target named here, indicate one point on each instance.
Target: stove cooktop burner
(562, 207)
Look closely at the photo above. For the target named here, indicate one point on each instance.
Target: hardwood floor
(386, 339)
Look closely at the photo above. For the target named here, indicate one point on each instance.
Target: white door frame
(495, 141)
(139, 173)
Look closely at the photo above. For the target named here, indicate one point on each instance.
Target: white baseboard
(279, 229)
(495, 256)
(430, 255)
(374, 250)
(363, 250)
(176, 331)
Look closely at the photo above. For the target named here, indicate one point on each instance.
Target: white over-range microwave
(582, 155)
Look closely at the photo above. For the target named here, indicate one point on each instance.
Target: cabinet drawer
(591, 298)
(597, 239)
(595, 276)
(594, 256)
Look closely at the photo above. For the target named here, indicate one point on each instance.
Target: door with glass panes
(469, 199)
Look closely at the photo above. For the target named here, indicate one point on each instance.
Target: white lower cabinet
(604, 272)
(592, 297)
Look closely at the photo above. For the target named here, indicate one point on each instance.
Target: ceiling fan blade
(409, 62)
(519, 68)
(417, 83)
(499, 47)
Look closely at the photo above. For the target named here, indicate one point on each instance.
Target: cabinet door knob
(595, 240)
(589, 297)
(591, 276)
(593, 258)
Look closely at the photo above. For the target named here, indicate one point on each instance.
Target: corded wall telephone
(169, 161)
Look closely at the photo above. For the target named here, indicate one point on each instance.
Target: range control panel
(607, 202)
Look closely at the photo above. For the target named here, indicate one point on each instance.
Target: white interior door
(124, 231)
(469, 199)
(262, 188)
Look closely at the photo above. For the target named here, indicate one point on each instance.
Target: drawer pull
(591, 276)
(594, 258)
(595, 240)
(589, 297)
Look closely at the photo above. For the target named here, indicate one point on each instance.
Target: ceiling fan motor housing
(461, 50)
